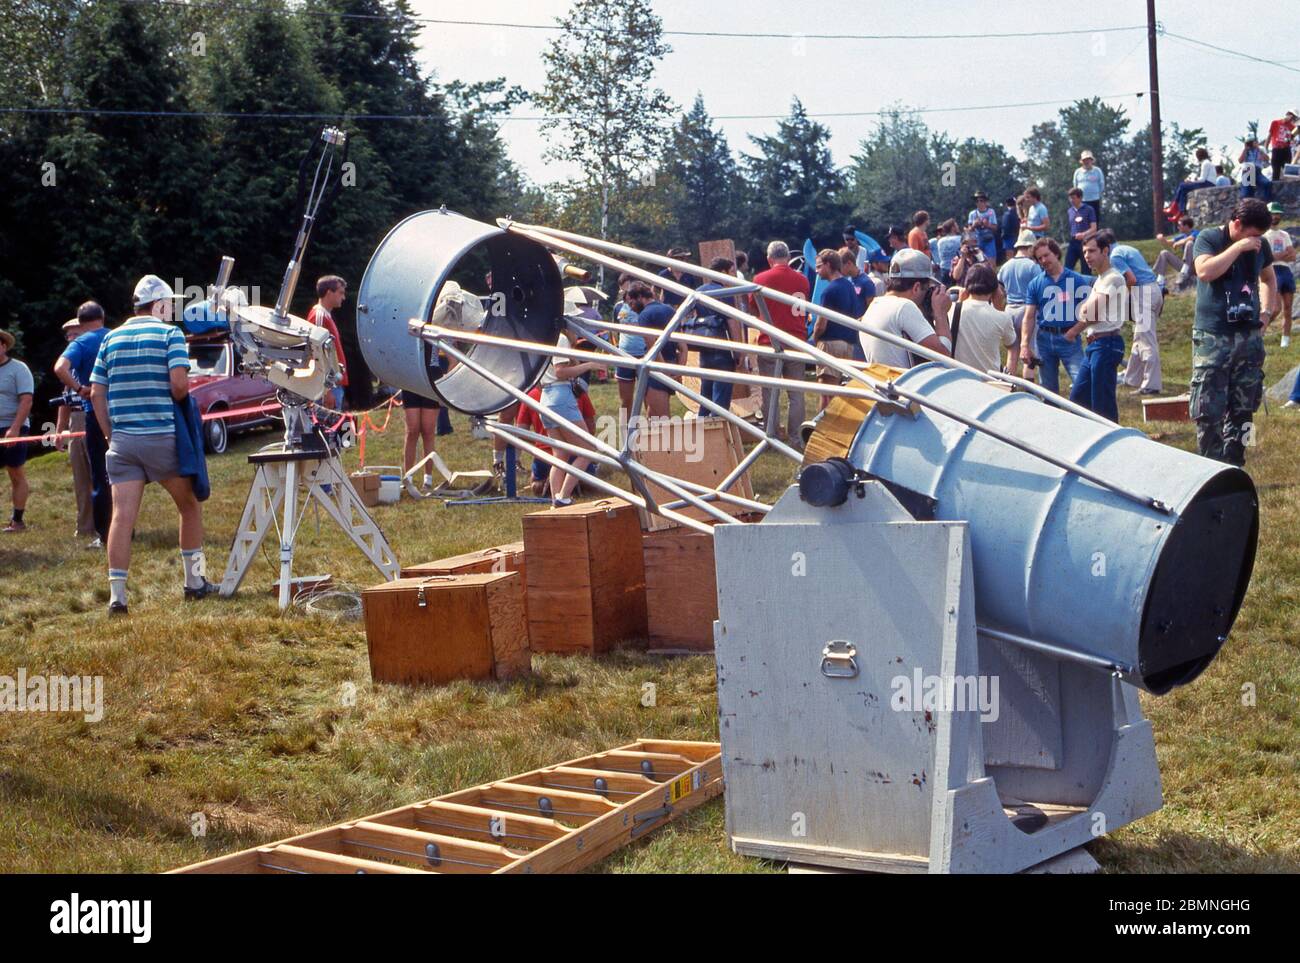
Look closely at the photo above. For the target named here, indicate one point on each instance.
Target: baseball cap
(980, 196)
(1086, 155)
(909, 263)
(151, 288)
(71, 323)
(1276, 208)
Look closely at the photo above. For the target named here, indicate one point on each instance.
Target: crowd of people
(997, 292)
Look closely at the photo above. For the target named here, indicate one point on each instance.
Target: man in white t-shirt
(909, 284)
(1283, 248)
(980, 329)
(1101, 319)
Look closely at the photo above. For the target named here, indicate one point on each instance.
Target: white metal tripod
(282, 470)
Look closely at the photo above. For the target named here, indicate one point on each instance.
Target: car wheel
(216, 436)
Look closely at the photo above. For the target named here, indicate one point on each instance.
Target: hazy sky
(759, 76)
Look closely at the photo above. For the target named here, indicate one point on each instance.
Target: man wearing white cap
(141, 370)
(1090, 179)
(1015, 277)
(909, 284)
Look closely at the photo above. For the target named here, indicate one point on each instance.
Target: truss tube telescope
(404, 278)
(1061, 560)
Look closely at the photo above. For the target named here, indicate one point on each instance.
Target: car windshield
(209, 359)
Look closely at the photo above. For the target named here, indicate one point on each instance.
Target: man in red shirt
(782, 277)
(331, 292)
(1280, 133)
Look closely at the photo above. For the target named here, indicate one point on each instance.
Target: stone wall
(1212, 205)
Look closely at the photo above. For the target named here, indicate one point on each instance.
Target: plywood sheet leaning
(558, 819)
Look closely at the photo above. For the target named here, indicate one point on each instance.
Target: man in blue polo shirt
(141, 370)
(838, 294)
(1053, 300)
(73, 369)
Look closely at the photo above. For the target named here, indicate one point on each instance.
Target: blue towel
(815, 282)
(199, 318)
(189, 446)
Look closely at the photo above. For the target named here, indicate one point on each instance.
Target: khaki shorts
(147, 458)
(836, 349)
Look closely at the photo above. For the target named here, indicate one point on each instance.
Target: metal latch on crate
(839, 660)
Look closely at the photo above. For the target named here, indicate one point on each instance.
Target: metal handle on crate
(839, 660)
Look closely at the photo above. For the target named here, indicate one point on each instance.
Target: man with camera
(1236, 298)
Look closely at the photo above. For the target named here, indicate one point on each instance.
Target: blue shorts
(561, 400)
(1285, 279)
(632, 344)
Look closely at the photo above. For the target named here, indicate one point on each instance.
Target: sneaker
(95, 543)
(117, 608)
(1292, 404)
(15, 526)
(1286, 341)
(561, 502)
(202, 592)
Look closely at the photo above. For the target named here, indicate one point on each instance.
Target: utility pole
(1157, 149)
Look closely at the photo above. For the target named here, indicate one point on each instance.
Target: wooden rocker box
(431, 630)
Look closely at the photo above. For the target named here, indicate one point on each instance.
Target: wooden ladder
(553, 820)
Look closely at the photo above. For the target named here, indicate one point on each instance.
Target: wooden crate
(430, 630)
(1167, 409)
(585, 576)
(662, 448)
(498, 558)
(681, 590)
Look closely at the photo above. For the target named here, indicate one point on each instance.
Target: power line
(288, 115)
(746, 35)
(1232, 53)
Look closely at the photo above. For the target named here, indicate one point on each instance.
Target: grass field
(230, 709)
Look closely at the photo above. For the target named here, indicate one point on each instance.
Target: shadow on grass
(1186, 853)
(113, 815)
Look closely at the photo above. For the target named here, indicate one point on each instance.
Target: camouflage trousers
(1226, 389)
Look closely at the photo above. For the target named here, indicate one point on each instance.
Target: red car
(215, 385)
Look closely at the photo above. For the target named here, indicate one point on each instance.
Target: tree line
(154, 137)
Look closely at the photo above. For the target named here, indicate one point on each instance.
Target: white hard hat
(151, 288)
(910, 263)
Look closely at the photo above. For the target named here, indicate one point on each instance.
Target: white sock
(428, 480)
(194, 566)
(117, 585)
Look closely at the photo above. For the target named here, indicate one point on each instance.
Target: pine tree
(704, 191)
(797, 190)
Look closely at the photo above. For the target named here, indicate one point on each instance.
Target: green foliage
(606, 113)
(704, 190)
(796, 190)
(129, 195)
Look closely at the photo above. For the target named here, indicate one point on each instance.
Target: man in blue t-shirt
(713, 325)
(73, 369)
(831, 336)
(672, 298)
(1081, 223)
(1052, 302)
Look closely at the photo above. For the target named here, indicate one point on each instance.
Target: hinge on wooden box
(420, 600)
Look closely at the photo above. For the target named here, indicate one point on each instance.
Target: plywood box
(498, 558)
(699, 450)
(1166, 409)
(585, 576)
(431, 630)
(366, 484)
(681, 589)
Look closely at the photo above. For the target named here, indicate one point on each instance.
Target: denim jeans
(1094, 388)
(719, 392)
(1054, 349)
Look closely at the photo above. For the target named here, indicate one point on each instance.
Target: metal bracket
(839, 660)
(644, 822)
